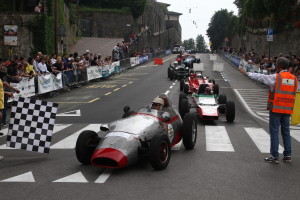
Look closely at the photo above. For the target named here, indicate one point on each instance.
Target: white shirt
(266, 79)
(42, 68)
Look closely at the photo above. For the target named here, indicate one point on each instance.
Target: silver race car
(138, 135)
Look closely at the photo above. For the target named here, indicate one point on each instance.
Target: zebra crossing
(255, 101)
(216, 138)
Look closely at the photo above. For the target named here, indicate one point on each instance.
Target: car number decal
(170, 132)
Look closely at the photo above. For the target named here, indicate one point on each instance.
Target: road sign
(270, 38)
(270, 33)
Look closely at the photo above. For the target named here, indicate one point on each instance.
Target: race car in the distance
(197, 83)
(177, 71)
(144, 134)
(208, 106)
(189, 60)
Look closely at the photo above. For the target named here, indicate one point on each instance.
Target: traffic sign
(270, 38)
(270, 31)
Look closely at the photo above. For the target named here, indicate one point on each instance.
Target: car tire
(230, 111)
(181, 85)
(169, 70)
(181, 96)
(213, 81)
(192, 72)
(222, 99)
(160, 151)
(216, 89)
(85, 146)
(186, 88)
(189, 130)
(184, 107)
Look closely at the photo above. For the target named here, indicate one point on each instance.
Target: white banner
(25, 86)
(57, 81)
(134, 61)
(45, 83)
(94, 72)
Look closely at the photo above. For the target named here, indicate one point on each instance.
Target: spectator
(42, 67)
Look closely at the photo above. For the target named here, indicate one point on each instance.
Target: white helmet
(159, 101)
(175, 63)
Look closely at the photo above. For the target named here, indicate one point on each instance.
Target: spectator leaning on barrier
(283, 87)
(42, 67)
(29, 69)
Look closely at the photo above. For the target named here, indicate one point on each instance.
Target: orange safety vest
(282, 98)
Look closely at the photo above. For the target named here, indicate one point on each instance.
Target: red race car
(197, 83)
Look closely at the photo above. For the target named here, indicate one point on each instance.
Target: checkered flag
(31, 124)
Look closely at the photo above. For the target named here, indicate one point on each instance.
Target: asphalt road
(227, 162)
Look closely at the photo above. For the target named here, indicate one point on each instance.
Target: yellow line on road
(116, 89)
(93, 100)
(124, 85)
(108, 93)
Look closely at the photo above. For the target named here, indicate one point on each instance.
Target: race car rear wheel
(181, 96)
(186, 88)
(222, 99)
(172, 75)
(189, 136)
(169, 70)
(230, 111)
(160, 151)
(181, 85)
(184, 107)
(216, 89)
(201, 89)
(85, 146)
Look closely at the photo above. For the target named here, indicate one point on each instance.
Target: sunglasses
(155, 104)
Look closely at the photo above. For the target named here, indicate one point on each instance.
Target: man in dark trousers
(281, 98)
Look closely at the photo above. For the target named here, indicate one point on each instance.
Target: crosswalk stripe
(104, 176)
(295, 134)
(217, 139)
(57, 128)
(70, 142)
(261, 139)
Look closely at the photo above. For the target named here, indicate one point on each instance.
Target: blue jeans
(277, 120)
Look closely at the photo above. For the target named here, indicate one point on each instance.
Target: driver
(157, 104)
(175, 64)
(207, 91)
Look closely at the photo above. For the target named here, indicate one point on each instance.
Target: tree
(201, 46)
(189, 44)
(218, 28)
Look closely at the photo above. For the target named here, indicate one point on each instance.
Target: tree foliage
(218, 28)
(189, 44)
(201, 46)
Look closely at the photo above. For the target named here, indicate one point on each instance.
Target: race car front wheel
(189, 137)
(181, 85)
(230, 111)
(184, 107)
(85, 146)
(160, 151)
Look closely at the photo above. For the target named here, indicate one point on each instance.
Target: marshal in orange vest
(282, 99)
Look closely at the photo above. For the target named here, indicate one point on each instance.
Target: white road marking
(171, 87)
(74, 178)
(74, 113)
(261, 139)
(167, 92)
(104, 176)
(70, 142)
(295, 134)
(247, 107)
(217, 139)
(26, 177)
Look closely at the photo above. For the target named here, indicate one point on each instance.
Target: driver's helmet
(158, 101)
(207, 90)
(199, 76)
(175, 63)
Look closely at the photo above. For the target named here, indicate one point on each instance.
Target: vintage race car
(138, 135)
(189, 60)
(197, 83)
(209, 107)
(177, 72)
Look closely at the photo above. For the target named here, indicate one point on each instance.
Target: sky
(196, 14)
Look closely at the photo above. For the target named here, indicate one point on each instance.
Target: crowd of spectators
(253, 62)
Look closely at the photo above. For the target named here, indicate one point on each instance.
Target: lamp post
(55, 26)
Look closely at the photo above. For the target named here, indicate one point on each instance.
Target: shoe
(1, 157)
(287, 159)
(4, 124)
(272, 160)
(1, 134)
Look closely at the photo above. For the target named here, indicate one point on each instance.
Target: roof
(174, 13)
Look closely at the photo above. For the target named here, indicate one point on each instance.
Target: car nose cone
(109, 158)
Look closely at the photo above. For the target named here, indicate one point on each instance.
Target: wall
(285, 42)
